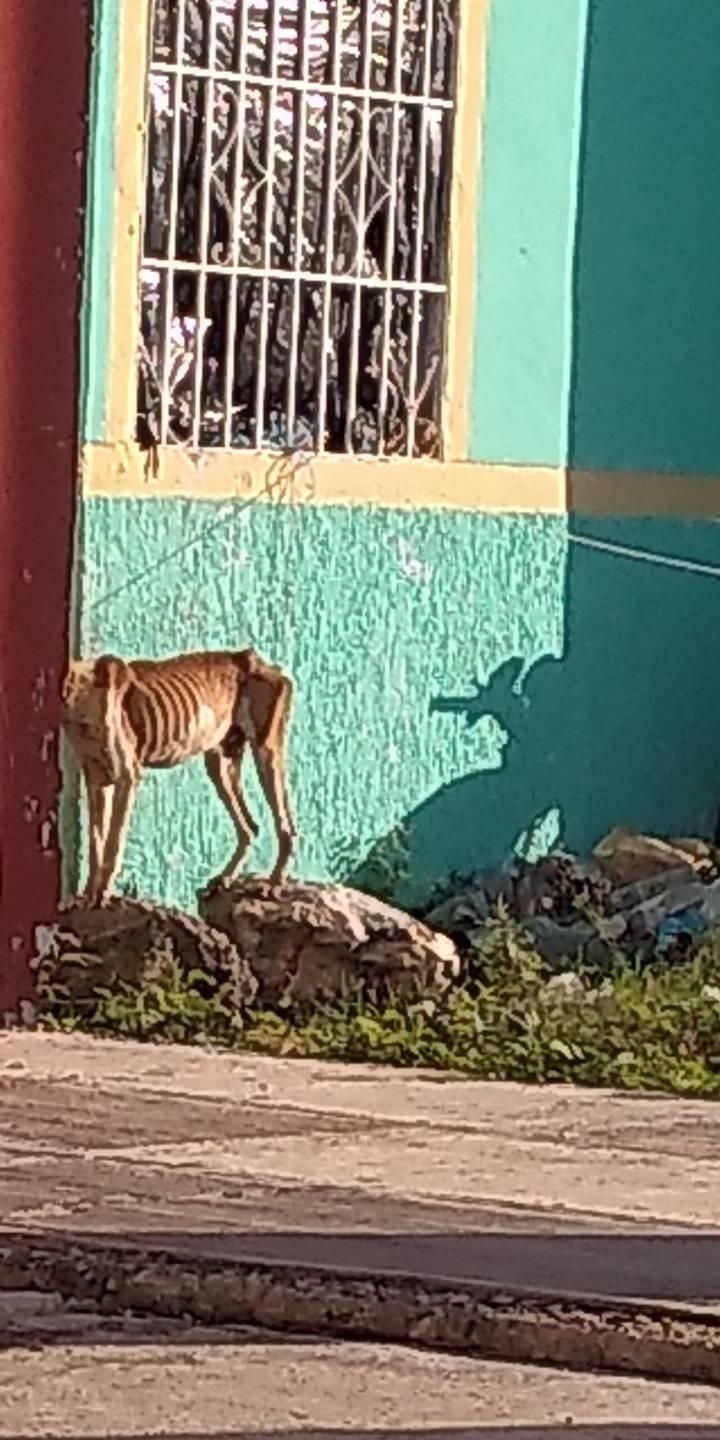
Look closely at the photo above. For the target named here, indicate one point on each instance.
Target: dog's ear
(110, 671)
(78, 678)
(248, 662)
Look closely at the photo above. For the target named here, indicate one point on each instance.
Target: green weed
(649, 1027)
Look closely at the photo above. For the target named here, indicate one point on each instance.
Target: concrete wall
(596, 344)
(647, 287)
(376, 612)
(618, 719)
(526, 231)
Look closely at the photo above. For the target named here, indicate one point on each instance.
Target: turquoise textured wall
(640, 696)
(526, 231)
(97, 299)
(380, 613)
(375, 612)
(623, 730)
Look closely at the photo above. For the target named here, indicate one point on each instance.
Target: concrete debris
(634, 894)
(306, 943)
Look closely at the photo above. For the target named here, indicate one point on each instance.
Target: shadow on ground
(672, 1268)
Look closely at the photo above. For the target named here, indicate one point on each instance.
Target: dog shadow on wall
(624, 729)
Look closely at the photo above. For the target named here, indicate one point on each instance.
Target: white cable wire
(651, 557)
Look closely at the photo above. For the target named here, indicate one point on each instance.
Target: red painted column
(44, 47)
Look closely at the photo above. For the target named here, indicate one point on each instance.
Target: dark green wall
(646, 391)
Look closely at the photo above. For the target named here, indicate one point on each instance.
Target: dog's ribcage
(171, 710)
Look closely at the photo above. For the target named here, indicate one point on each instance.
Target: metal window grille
(294, 270)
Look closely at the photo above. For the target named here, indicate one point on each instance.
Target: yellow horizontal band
(643, 492)
(122, 471)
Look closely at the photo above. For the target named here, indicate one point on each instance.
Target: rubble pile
(633, 894)
(308, 943)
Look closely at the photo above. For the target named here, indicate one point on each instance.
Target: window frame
(117, 465)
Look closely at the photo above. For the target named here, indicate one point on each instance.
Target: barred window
(293, 278)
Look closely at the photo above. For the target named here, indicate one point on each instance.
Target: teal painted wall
(96, 309)
(647, 288)
(597, 300)
(597, 308)
(623, 729)
(526, 228)
(597, 338)
(640, 692)
(375, 612)
(378, 613)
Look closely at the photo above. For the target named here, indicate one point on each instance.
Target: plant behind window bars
(294, 274)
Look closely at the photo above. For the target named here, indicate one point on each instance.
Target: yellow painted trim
(470, 106)
(120, 471)
(643, 492)
(127, 238)
(129, 140)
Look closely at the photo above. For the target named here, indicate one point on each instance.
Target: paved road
(72, 1375)
(559, 1189)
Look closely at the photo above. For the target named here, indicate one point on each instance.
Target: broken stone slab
(628, 897)
(646, 919)
(684, 913)
(711, 903)
(553, 887)
(308, 942)
(581, 1332)
(627, 856)
(131, 941)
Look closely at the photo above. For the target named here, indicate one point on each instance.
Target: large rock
(313, 942)
(129, 942)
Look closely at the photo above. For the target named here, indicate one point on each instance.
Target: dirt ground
(556, 1189)
(102, 1380)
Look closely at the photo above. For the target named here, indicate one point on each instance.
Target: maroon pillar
(44, 48)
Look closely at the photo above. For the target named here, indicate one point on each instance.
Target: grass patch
(641, 1026)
